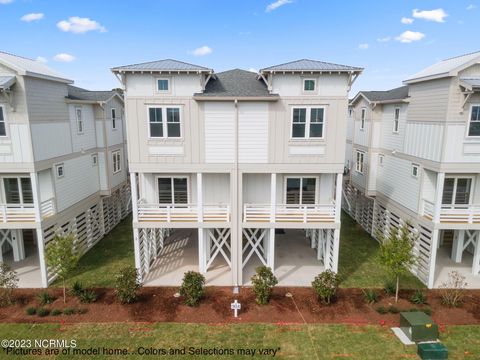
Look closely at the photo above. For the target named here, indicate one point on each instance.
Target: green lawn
(359, 263)
(294, 341)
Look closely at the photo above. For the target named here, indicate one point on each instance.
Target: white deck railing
(463, 214)
(182, 213)
(17, 213)
(47, 208)
(289, 213)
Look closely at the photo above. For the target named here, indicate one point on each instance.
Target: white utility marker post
(235, 306)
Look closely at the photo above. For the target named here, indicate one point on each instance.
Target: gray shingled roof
(399, 93)
(310, 65)
(162, 65)
(473, 82)
(76, 93)
(236, 83)
(7, 81)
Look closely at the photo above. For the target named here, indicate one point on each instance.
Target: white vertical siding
(16, 148)
(458, 148)
(256, 188)
(253, 133)
(219, 132)
(424, 140)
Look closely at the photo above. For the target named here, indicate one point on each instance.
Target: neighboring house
(415, 156)
(239, 164)
(63, 167)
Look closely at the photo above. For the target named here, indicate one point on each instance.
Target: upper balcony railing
(15, 213)
(456, 214)
(289, 213)
(148, 212)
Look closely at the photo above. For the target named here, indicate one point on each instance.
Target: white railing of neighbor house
(47, 208)
(148, 212)
(463, 214)
(289, 213)
(17, 213)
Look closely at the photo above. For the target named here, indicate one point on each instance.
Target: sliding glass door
(301, 190)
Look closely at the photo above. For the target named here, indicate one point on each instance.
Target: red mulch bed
(158, 304)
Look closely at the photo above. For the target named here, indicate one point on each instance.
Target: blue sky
(87, 37)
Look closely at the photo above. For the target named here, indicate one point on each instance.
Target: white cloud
(363, 46)
(410, 36)
(470, 7)
(437, 15)
(384, 39)
(406, 20)
(64, 57)
(277, 4)
(202, 51)
(253, 70)
(32, 17)
(5, 1)
(41, 59)
(79, 25)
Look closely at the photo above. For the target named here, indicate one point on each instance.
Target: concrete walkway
(28, 269)
(445, 264)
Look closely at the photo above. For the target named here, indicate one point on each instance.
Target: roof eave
(306, 71)
(47, 77)
(235, 98)
(158, 71)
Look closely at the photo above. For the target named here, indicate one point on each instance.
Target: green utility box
(418, 326)
(432, 351)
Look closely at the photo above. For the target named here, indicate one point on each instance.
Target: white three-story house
(414, 155)
(245, 167)
(62, 165)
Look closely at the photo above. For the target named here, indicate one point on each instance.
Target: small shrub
(68, 311)
(192, 287)
(56, 312)
(263, 283)
(393, 310)
(127, 284)
(381, 310)
(42, 312)
(77, 288)
(31, 311)
(453, 290)
(325, 285)
(370, 296)
(389, 287)
(8, 282)
(88, 296)
(45, 298)
(418, 298)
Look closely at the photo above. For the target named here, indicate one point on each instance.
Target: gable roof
(471, 82)
(163, 65)
(236, 83)
(387, 96)
(311, 65)
(76, 93)
(7, 81)
(445, 68)
(28, 67)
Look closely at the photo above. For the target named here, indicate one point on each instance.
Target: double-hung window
(117, 164)
(3, 128)
(396, 120)
(164, 122)
(474, 125)
(363, 118)
(308, 123)
(113, 112)
(359, 166)
(79, 119)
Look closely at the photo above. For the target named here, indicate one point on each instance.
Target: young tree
(396, 253)
(61, 257)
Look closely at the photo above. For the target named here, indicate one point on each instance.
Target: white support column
(336, 248)
(476, 256)
(136, 234)
(273, 197)
(457, 246)
(435, 233)
(270, 249)
(202, 259)
(200, 196)
(38, 228)
(134, 192)
(433, 259)
(202, 233)
(338, 197)
(438, 197)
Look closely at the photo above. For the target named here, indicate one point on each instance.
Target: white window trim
(114, 154)
(164, 121)
(77, 120)
(363, 118)
(5, 122)
(173, 189)
(357, 162)
(314, 86)
(415, 166)
(94, 159)
(396, 121)
(469, 121)
(57, 166)
(114, 123)
(307, 122)
(158, 91)
(317, 187)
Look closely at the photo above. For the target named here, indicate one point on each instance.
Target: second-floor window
(3, 128)
(164, 122)
(162, 85)
(359, 166)
(396, 120)
(362, 119)
(308, 123)
(117, 165)
(309, 85)
(79, 119)
(474, 126)
(114, 118)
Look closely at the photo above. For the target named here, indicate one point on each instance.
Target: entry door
(17, 190)
(301, 190)
(457, 191)
(173, 190)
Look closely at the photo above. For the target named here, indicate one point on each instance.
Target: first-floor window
(172, 190)
(308, 122)
(164, 122)
(474, 126)
(117, 165)
(301, 190)
(3, 128)
(360, 162)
